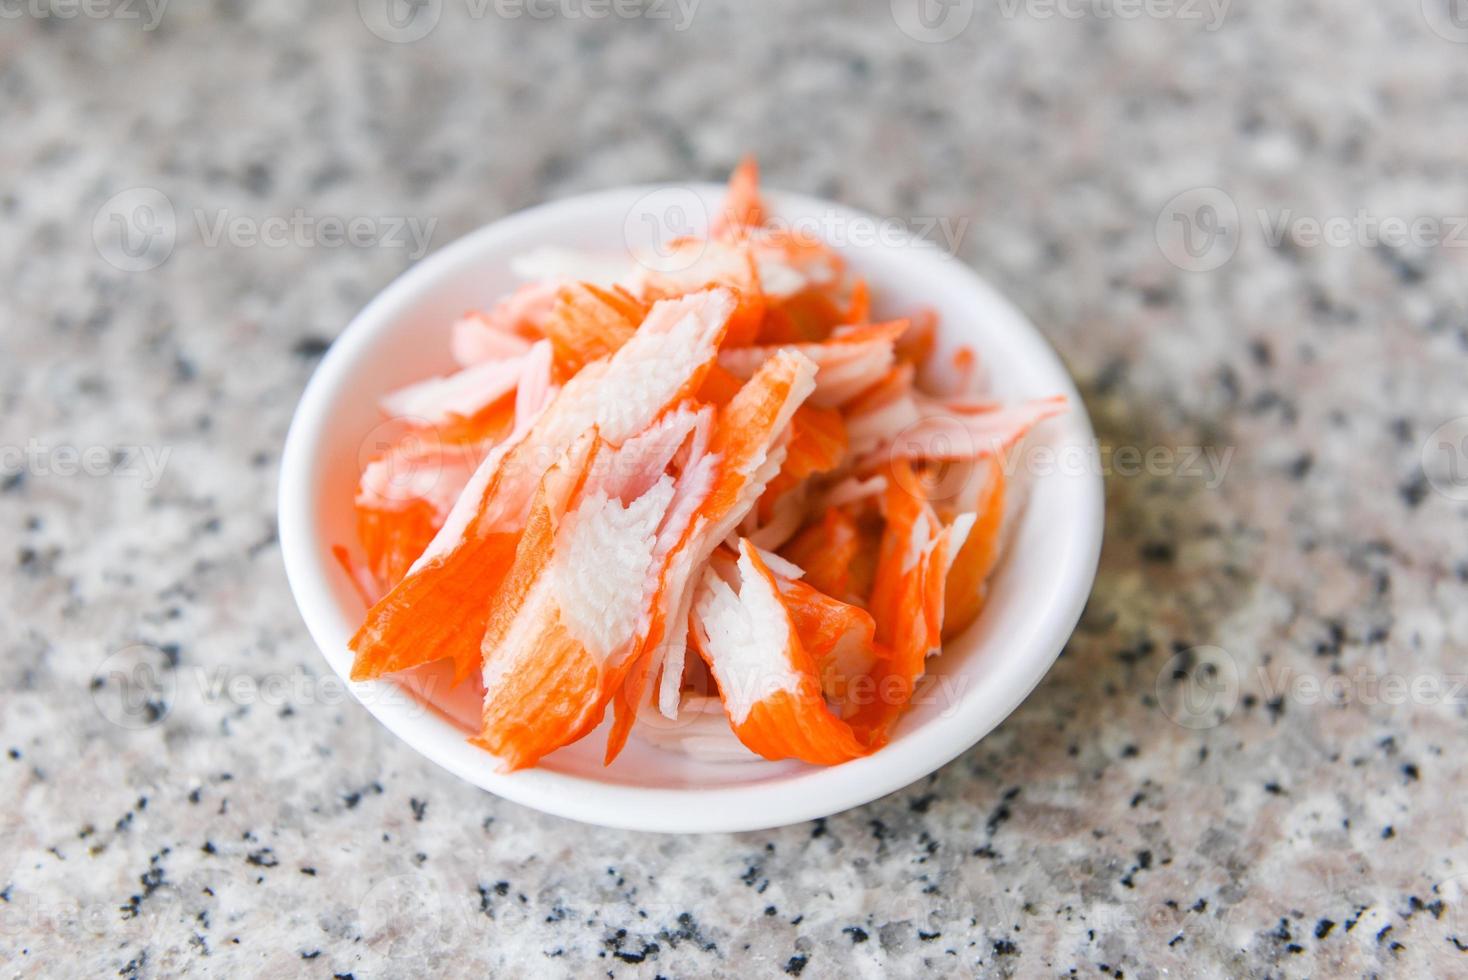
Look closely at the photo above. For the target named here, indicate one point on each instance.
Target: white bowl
(403, 335)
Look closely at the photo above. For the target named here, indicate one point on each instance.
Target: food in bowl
(707, 491)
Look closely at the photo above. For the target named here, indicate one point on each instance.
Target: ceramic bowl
(403, 335)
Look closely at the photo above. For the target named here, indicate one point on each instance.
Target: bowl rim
(727, 808)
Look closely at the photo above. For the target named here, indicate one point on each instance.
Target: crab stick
(441, 608)
(768, 681)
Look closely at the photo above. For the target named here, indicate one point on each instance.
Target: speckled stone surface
(1306, 817)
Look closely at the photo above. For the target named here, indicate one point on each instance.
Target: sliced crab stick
(474, 339)
(743, 208)
(690, 264)
(408, 489)
(817, 445)
(392, 539)
(714, 447)
(581, 587)
(794, 260)
(588, 323)
(850, 362)
(404, 496)
(967, 584)
(808, 316)
(440, 609)
(726, 478)
(838, 636)
(507, 329)
(907, 597)
(825, 552)
(956, 431)
(768, 681)
(748, 441)
(457, 397)
(881, 412)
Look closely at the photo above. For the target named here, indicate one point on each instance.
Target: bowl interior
(981, 676)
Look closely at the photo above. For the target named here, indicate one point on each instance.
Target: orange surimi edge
(588, 322)
(720, 452)
(768, 681)
(825, 550)
(742, 207)
(966, 587)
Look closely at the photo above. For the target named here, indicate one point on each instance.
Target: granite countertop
(1247, 762)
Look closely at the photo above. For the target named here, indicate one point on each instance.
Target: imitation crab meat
(710, 493)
